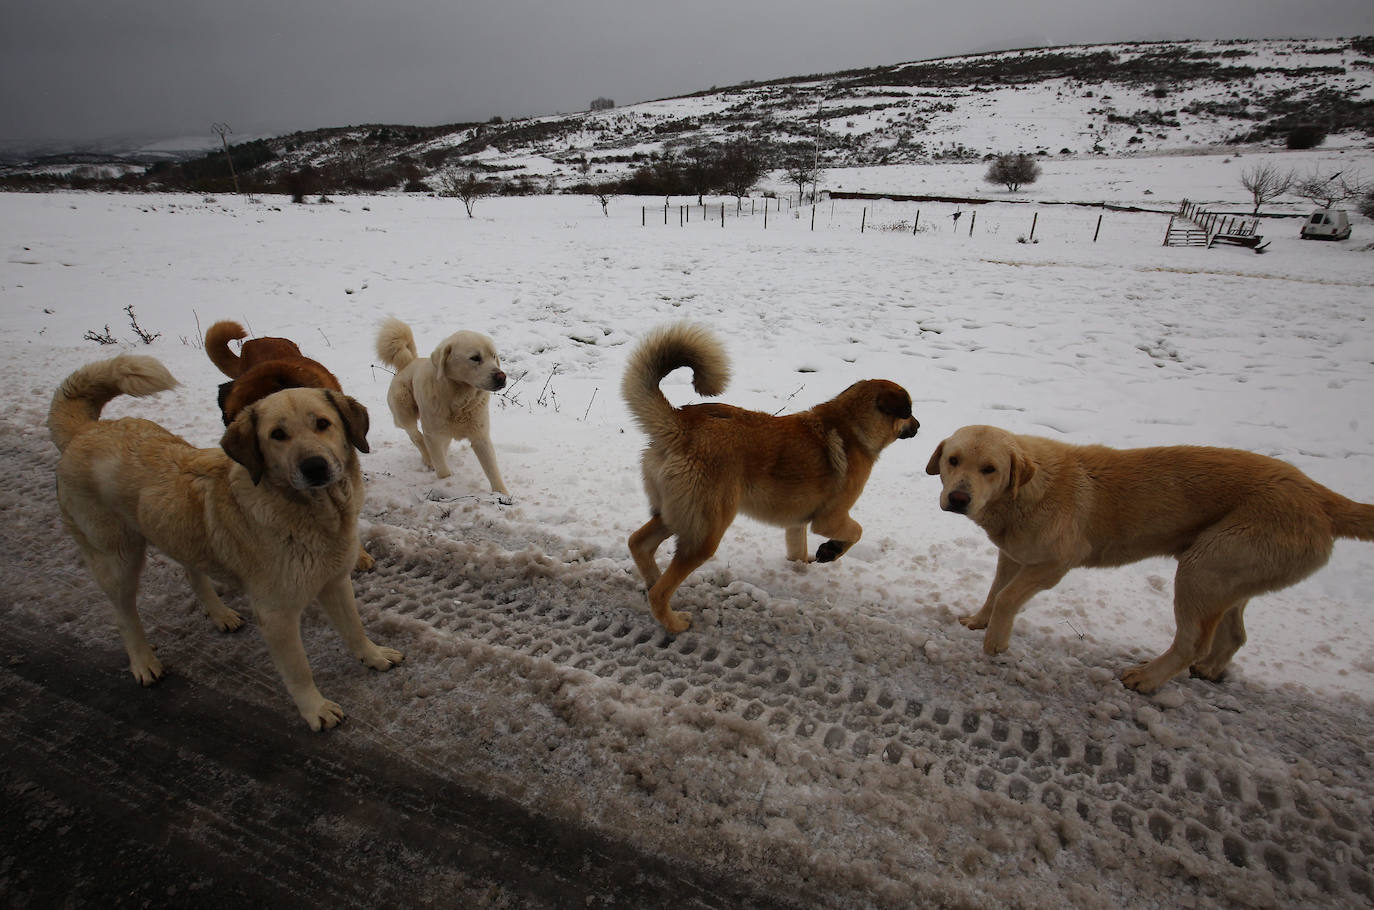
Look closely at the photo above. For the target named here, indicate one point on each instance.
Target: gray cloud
(87, 69)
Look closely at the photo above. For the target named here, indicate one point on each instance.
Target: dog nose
(498, 380)
(315, 470)
(910, 429)
(958, 501)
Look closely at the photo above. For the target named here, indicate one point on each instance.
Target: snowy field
(831, 731)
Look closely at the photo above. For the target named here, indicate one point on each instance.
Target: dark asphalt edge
(223, 769)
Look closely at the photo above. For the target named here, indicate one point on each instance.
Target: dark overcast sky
(90, 69)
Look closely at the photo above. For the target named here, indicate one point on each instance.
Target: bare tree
(1328, 192)
(801, 170)
(1265, 182)
(604, 193)
(468, 188)
(742, 164)
(1013, 170)
(602, 104)
(223, 130)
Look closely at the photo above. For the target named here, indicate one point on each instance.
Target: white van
(1327, 224)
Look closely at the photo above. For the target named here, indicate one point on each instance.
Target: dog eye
(954, 461)
(322, 424)
(476, 358)
(989, 469)
(278, 434)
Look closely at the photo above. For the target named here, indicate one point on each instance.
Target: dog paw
(1208, 672)
(323, 715)
(829, 551)
(1140, 679)
(504, 499)
(365, 561)
(146, 671)
(992, 646)
(380, 658)
(974, 621)
(227, 620)
(677, 622)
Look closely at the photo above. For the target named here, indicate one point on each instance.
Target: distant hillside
(1098, 100)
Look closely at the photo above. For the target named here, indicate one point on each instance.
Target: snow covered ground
(828, 731)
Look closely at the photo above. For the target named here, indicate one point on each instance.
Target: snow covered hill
(1051, 102)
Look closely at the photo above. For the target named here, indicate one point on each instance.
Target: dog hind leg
(1228, 639)
(117, 568)
(685, 561)
(644, 543)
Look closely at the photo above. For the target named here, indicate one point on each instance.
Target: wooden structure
(1191, 225)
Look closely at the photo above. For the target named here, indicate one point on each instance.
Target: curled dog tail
(395, 343)
(78, 401)
(217, 339)
(658, 354)
(1350, 518)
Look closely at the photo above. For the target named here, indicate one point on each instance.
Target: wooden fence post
(917, 225)
(813, 216)
(1034, 218)
(864, 220)
(972, 219)
(1099, 228)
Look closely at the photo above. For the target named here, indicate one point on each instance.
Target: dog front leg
(796, 544)
(486, 457)
(1025, 584)
(843, 532)
(224, 618)
(437, 446)
(1006, 570)
(336, 597)
(280, 622)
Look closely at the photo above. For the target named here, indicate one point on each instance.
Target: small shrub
(1305, 136)
(1013, 171)
(100, 337)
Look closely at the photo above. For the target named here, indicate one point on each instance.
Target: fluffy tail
(217, 339)
(658, 354)
(395, 343)
(78, 401)
(1350, 518)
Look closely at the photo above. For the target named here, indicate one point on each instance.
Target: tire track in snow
(1159, 794)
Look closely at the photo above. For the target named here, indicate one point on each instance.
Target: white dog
(447, 394)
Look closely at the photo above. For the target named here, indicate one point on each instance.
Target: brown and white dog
(264, 366)
(707, 462)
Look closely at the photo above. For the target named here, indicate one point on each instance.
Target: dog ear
(933, 466)
(439, 357)
(1022, 470)
(240, 442)
(895, 403)
(354, 418)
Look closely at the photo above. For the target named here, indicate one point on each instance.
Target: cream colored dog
(447, 394)
(1240, 525)
(276, 512)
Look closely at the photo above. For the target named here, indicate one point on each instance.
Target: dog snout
(910, 429)
(315, 470)
(957, 501)
(498, 381)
